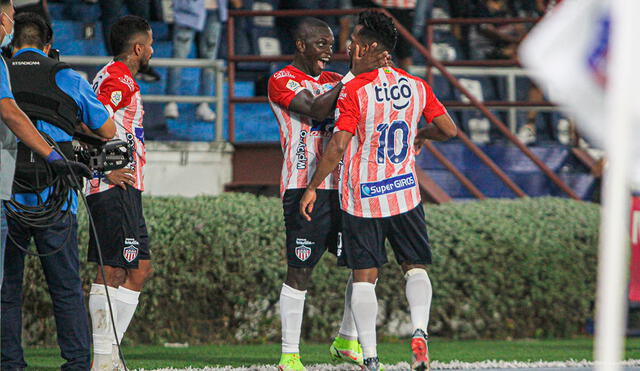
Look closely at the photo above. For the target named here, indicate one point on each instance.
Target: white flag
(566, 54)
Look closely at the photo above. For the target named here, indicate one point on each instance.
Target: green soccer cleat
(290, 362)
(346, 351)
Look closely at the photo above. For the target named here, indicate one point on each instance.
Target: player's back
(383, 109)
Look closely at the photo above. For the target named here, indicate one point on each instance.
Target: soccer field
(443, 351)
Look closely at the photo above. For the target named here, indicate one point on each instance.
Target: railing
(218, 98)
(233, 59)
(512, 105)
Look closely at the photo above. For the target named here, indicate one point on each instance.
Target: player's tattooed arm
(442, 128)
(322, 106)
(330, 160)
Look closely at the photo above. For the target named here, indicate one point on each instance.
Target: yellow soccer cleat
(290, 362)
(343, 350)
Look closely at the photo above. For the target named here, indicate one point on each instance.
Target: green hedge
(502, 268)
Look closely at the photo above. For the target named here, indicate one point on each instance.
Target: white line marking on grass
(435, 365)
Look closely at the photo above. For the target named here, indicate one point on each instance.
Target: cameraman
(57, 99)
(13, 122)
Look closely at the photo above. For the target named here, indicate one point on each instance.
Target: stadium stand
(254, 123)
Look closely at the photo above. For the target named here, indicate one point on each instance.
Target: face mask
(8, 37)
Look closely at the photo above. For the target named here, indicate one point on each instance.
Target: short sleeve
(348, 110)
(283, 87)
(433, 108)
(5, 83)
(93, 112)
(114, 94)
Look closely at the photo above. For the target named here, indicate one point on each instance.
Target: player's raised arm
(349, 115)
(322, 106)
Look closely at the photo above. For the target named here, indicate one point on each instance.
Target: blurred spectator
(287, 25)
(491, 41)
(550, 127)
(34, 6)
(423, 10)
(199, 21)
(402, 10)
(111, 11)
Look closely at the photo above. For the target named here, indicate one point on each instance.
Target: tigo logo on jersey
(398, 93)
(383, 187)
(303, 251)
(130, 252)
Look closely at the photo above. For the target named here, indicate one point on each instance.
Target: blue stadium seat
(478, 127)
(442, 88)
(87, 12)
(67, 30)
(160, 31)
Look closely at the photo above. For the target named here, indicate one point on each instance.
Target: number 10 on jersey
(393, 142)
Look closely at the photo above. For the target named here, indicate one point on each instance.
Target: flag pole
(611, 308)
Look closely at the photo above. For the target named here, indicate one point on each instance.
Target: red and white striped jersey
(382, 108)
(118, 91)
(302, 138)
(397, 4)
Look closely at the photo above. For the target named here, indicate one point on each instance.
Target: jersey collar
(30, 50)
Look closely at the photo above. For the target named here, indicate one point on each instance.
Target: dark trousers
(112, 10)
(62, 273)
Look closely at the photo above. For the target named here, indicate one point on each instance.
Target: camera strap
(32, 172)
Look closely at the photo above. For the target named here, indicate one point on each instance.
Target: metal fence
(217, 65)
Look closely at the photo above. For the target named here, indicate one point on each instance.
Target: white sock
(100, 319)
(419, 293)
(348, 328)
(291, 309)
(364, 305)
(126, 302)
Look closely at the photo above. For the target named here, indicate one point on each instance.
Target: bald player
(303, 97)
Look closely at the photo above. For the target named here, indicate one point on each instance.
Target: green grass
(150, 357)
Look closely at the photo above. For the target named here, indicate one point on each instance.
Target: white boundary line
(403, 366)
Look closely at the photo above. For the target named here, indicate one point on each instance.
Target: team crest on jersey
(303, 251)
(130, 251)
(116, 97)
(293, 85)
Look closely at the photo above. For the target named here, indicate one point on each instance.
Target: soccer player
(376, 130)
(115, 198)
(302, 97)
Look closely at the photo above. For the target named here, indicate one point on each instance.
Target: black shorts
(121, 228)
(307, 241)
(363, 239)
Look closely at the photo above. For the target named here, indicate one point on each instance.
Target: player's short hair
(124, 31)
(31, 29)
(306, 26)
(5, 3)
(378, 27)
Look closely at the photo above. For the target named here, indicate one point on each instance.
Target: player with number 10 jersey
(377, 137)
